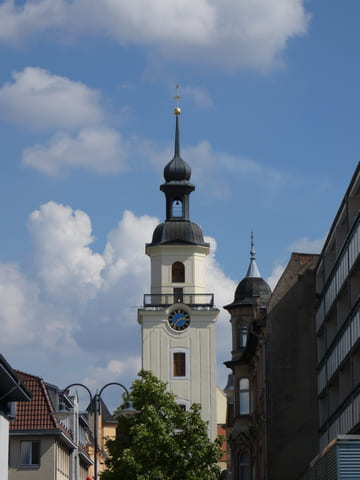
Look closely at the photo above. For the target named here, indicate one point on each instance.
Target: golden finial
(177, 109)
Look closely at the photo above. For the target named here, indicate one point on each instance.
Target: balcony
(163, 300)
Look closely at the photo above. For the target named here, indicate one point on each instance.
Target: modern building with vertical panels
(338, 321)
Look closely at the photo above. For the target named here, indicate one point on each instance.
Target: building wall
(46, 470)
(291, 374)
(338, 321)
(159, 342)
(4, 447)
(162, 258)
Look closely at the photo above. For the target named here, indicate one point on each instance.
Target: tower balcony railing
(166, 299)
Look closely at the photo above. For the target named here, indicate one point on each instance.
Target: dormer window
(177, 208)
(178, 272)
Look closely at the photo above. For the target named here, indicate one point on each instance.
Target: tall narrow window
(243, 333)
(179, 364)
(178, 272)
(244, 465)
(177, 208)
(178, 295)
(244, 396)
(29, 453)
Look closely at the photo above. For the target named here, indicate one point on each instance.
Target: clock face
(179, 320)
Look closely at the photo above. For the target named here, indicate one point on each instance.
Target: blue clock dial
(179, 320)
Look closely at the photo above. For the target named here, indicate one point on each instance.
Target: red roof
(38, 414)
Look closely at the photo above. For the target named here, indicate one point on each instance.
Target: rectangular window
(244, 396)
(30, 453)
(179, 364)
(178, 295)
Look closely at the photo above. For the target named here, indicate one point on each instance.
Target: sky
(269, 125)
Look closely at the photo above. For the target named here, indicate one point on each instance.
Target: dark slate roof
(106, 415)
(178, 232)
(11, 387)
(251, 288)
(177, 170)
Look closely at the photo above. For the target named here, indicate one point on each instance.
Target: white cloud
(232, 34)
(64, 262)
(305, 245)
(100, 149)
(200, 96)
(73, 306)
(302, 245)
(113, 371)
(40, 100)
(213, 166)
(275, 275)
(18, 306)
(223, 288)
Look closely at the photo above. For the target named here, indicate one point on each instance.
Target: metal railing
(167, 299)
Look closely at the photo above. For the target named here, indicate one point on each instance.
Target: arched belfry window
(177, 208)
(178, 272)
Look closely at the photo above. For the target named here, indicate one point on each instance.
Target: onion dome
(177, 170)
(253, 286)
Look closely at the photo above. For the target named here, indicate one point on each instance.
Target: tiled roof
(38, 414)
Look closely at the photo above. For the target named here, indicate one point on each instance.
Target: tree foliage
(162, 441)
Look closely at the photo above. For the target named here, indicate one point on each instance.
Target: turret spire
(253, 270)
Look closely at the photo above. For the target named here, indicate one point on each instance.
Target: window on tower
(177, 208)
(244, 396)
(242, 335)
(178, 272)
(244, 465)
(179, 364)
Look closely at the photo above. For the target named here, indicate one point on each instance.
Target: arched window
(244, 465)
(244, 396)
(177, 208)
(177, 272)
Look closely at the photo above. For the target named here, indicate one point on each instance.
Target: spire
(177, 169)
(177, 112)
(253, 270)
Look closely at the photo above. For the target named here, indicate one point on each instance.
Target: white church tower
(178, 316)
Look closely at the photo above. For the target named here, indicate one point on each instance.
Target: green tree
(162, 441)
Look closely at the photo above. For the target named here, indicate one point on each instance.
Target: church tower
(178, 316)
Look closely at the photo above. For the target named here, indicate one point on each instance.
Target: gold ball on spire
(177, 111)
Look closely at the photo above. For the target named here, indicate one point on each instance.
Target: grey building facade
(338, 321)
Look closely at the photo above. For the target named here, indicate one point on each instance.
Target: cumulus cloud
(38, 99)
(301, 245)
(99, 149)
(74, 306)
(305, 245)
(200, 96)
(275, 275)
(18, 306)
(230, 34)
(65, 264)
(212, 166)
(223, 288)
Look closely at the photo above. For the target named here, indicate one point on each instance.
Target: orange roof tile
(38, 414)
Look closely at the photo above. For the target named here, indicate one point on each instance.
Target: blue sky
(270, 118)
